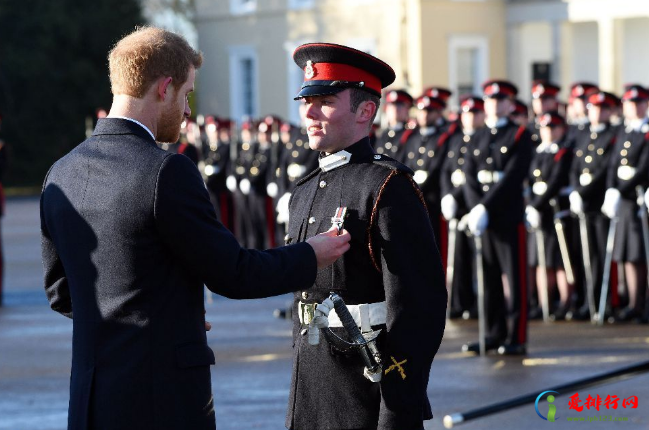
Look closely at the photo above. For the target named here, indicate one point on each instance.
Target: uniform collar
(500, 122)
(598, 128)
(358, 152)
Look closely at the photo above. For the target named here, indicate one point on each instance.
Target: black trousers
(504, 253)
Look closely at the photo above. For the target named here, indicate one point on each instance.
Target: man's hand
(208, 326)
(329, 246)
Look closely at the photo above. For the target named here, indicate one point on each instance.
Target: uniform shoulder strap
(391, 163)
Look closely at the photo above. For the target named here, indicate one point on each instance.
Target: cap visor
(318, 90)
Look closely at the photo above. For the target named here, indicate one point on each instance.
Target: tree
(54, 74)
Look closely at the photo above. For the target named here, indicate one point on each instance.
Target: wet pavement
(252, 373)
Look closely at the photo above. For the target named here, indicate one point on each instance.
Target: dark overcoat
(393, 258)
(129, 237)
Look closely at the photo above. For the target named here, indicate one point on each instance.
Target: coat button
(311, 220)
(323, 184)
(305, 295)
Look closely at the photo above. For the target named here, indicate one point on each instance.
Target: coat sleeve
(416, 303)
(187, 224)
(57, 289)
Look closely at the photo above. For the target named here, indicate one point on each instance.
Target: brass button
(466, 138)
(600, 151)
(431, 153)
(537, 173)
(451, 154)
(388, 145)
(585, 171)
(591, 147)
(422, 149)
(503, 149)
(411, 155)
(379, 150)
(579, 153)
(463, 150)
(460, 161)
(489, 160)
(391, 133)
(295, 154)
(494, 131)
(593, 136)
(627, 144)
(476, 152)
(420, 163)
(588, 159)
(623, 152)
(395, 148)
(305, 295)
(624, 162)
(311, 220)
(323, 184)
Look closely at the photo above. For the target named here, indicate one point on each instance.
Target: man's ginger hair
(147, 54)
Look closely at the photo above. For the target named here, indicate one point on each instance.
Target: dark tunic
(548, 176)
(393, 257)
(628, 170)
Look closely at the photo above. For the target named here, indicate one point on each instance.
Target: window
(300, 4)
(468, 65)
(240, 7)
(243, 76)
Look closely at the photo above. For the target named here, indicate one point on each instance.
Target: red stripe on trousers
(443, 240)
(522, 267)
(223, 204)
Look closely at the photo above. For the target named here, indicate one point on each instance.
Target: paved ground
(253, 350)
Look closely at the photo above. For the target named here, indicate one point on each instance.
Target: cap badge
(634, 93)
(434, 93)
(495, 89)
(601, 97)
(579, 90)
(309, 70)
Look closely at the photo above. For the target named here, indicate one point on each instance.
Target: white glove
(449, 207)
(611, 202)
(478, 220)
(576, 203)
(271, 190)
(282, 208)
(244, 186)
(231, 183)
(646, 198)
(533, 217)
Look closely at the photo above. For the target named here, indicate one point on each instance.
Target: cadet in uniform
(453, 205)
(391, 278)
(593, 147)
(217, 163)
(520, 113)
(425, 149)
(544, 99)
(628, 170)
(548, 177)
(239, 184)
(578, 101)
(397, 113)
(495, 171)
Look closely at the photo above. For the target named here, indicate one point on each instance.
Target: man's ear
(365, 111)
(163, 87)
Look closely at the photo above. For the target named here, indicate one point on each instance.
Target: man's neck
(134, 108)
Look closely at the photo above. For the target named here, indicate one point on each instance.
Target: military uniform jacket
(296, 161)
(129, 238)
(590, 165)
(505, 151)
(535, 131)
(629, 162)
(452, 178)
(424, 153)
(219, 158)
(393, 257)
(549, 172)
(391, 142)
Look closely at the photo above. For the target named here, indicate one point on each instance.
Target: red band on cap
(342, 72)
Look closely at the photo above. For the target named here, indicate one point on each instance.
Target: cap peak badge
(309, 70)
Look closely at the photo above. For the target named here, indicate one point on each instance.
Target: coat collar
(119, 126)
(359, 152)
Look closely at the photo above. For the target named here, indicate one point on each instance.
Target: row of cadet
(543, 187)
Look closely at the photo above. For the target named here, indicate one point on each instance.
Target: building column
(556, 52)
(610, 52)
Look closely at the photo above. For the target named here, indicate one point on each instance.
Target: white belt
(457, 178)
(365, 315)
(420, 176)
(585, 179)
(626, 173)
(539, 188)
(489, 177)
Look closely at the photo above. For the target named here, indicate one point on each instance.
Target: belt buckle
(307, 312)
